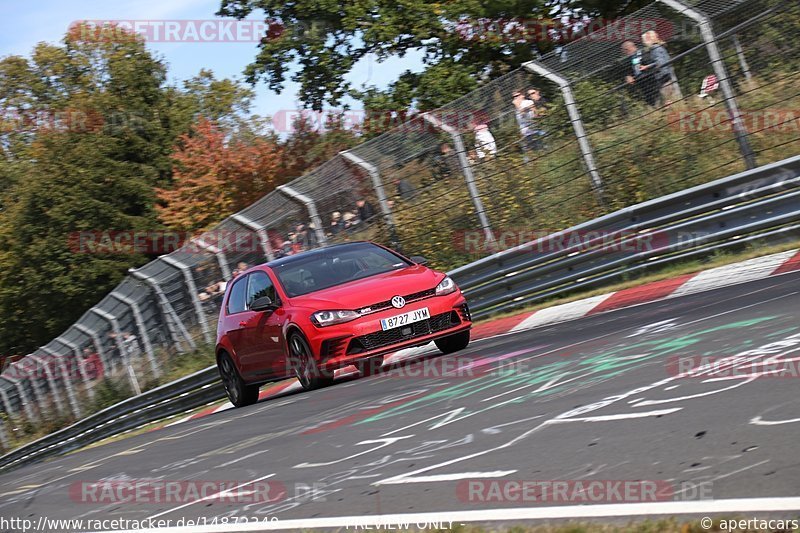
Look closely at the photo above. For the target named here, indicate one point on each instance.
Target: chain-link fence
(600, 123)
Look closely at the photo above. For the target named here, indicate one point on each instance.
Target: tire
(239, 393)
(453, 343)
(305, 367)
(370, 366)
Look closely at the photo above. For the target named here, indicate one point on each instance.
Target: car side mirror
(420, 260)
(264, 303)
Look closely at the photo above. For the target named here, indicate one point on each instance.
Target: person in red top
(92, 364)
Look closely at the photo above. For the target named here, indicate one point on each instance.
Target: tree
(77, 184)
(328, 38)
(88, 129)
(90, 137)
(216, 175)
(309, 145)
(225, 102)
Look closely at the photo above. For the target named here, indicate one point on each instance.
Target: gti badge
(398, 302)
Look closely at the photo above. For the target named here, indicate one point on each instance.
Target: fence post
(137, 317)
(98, 345)
(23, 398)
(263, 237)
(377, 184)
(220, 255)
(6, 401)
(51, 382)
(742, 59)
(172, 318)
(7, 407)
(118, 340)
(65, 375)
(3, 435)
(577, 122)
(78, 358)
(710, 40)
(469, 177)
(310, 206)
(192, 288)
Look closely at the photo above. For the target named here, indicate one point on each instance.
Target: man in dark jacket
(365, 210)
(642, 83)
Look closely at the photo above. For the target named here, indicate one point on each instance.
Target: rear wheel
(370, 366)
(308, 373)
(239, 393)
(453, 343)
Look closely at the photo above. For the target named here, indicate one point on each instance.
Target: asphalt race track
(600, 398)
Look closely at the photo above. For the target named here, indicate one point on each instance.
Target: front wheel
(453, 343)
(308, 373)
(239, 393)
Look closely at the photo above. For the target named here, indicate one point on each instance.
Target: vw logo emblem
(398, 302)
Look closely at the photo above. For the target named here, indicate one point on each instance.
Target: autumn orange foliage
(215, 175)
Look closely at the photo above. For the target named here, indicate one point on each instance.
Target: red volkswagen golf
(348, 304)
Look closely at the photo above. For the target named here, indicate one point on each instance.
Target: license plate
(405, 318)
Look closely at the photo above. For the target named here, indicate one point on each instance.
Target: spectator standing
(485, 144)
(638, 80)
(92, 364)
(405, 190)
(659, 62)
(365, 210)
(337, 224)
(442, 168)
(303, 238)
(131, 344)
(526, 112)
(311, 236)
(539, 101)
(523, 108)
(350, 219)
(240, 267)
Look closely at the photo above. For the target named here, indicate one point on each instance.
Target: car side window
(260, 285)
(236, 300)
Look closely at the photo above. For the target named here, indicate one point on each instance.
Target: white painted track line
(410, 520)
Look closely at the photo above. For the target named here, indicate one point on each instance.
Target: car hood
(368, 291)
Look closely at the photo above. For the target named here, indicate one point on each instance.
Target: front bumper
(342, 345)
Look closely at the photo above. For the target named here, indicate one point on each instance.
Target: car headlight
(329, 318)
(446, 286)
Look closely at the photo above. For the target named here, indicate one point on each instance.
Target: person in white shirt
(485, 144)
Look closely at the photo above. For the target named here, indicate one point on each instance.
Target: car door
(263, 329)
(235, 319)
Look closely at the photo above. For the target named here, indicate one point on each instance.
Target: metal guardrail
(189, 392)
(757, 204)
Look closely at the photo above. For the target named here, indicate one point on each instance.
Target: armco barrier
(758, 204)
(755, 204)
(178, 396)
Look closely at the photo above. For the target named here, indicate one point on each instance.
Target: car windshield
(334, 266)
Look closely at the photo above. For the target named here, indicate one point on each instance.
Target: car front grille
(413, 297)
(379, 339)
